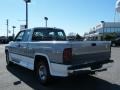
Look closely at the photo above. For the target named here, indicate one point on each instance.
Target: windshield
(48, 35)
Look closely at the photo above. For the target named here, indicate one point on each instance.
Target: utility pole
(26, 15)
(7, 27)
(103, 23)
(26, 2)
(13, 31)
(46, 19)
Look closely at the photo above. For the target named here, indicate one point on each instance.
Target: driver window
(20, 36)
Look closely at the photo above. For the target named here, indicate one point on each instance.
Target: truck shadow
(70, 83)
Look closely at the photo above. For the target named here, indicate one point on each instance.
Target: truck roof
(49, 28)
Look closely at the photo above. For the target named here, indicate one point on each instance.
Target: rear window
(48, 35)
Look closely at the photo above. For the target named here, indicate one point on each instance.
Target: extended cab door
(21, 56)
(15, 50)
(24, 58)
(24, 43)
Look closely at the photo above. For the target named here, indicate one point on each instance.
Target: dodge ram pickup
(47, 52)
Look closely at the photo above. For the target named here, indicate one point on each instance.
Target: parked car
(47, 52)
(3, 40)
(115, 42)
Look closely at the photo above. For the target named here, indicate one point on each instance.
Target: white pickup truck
(48, 53)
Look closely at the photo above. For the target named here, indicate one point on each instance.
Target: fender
(47, 58)
(55, 69)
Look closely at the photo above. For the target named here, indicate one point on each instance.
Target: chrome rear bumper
(104, 67)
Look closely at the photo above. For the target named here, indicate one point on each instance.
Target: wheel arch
(38, 57)
(6, 50)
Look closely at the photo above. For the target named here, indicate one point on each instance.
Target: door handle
(93, 44)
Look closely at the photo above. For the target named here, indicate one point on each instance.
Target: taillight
(67, 54)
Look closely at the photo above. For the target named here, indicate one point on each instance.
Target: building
(101, 30)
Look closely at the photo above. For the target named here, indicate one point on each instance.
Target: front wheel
(43, 73)
(8, 59)
(113, 44)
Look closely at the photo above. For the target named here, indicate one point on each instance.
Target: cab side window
(38, 36)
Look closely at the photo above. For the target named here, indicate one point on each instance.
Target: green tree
(110, 36)
(78, 37)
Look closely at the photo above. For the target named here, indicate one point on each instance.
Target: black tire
(43, 74)
(9, 63)
(113, 45)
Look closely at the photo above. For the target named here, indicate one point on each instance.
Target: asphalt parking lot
(18, 78)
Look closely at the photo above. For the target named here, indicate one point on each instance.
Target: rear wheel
(43, 73)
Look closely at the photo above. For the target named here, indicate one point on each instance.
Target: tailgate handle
(93, 44)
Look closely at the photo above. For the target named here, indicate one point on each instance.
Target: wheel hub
(42, 73)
